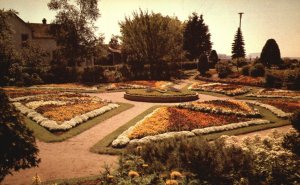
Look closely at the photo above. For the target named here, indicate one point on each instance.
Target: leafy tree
(150, 38)
(114, 42)
(270, 54)
(213, 58)
(74, 28)
(203, 65)
(196, 37)
(17, 144)
(238, 50)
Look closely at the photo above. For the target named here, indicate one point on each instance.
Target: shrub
(293, 79)
(291, 141)
(257, 70)
(17, 144)
(203, 65)
(272, 81)
(223, 69)
(245, 70)
(295, 120)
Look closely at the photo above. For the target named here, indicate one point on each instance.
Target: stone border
(278, 112)
(122, 140)
(161, 99)
(66, 125)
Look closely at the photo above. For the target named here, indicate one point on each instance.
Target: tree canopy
(150, 38)
(270, 54)
(238, 50)
(17, 144)
(213, 58)
(196, 37)
(74, 28)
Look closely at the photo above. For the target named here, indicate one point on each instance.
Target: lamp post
(241, 14)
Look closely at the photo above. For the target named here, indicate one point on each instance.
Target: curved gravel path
(71, 158)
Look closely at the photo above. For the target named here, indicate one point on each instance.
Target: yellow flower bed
(67, 112)
(156, 124)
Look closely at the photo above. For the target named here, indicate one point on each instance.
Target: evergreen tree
(203, 64)
(270, 54)
(213, 58)
(238, 50)
(17, 144)
(196, 37)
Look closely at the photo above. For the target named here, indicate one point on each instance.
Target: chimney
(44, 21)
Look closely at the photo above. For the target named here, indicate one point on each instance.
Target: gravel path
(71, 158)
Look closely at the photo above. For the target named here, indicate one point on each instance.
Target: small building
(38, 33)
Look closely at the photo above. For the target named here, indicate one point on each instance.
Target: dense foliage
(17, 144)
(270, 54)
(151, 39)
(196, 37)
(213, 58)
(74, 29)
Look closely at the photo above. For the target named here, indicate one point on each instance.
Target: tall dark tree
(17, 144)
(270, 54)
(238, 50)
(213, 58)
(196, 37)
(74, 28)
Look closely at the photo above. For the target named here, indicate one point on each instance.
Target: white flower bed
(259, 94)
(122, 140)
(203, 87)
(127, 86)
(203, 108)
(92, 89)
(36, 104)
(53, 125)
(276, 111)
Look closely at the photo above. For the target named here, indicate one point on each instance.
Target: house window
(24, 38)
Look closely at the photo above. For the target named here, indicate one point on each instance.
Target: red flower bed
(284, 104)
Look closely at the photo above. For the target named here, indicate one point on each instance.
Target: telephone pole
(241, 14)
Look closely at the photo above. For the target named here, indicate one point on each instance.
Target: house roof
(40, 31)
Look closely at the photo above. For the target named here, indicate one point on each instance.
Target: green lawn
(103, 146)
(43, 134)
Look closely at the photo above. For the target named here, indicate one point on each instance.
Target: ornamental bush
(245, 70)
(257, 70)
(17, 144)
(223, 69)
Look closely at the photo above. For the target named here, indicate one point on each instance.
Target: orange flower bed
(67, 112)
(169, 119)
(20, 92)
(138, 84)
(284, 104)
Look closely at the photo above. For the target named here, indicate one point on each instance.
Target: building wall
(19, 28)
(48, 45)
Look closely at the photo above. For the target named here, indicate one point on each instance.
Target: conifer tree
(238, 50)
(196, 37)
(270, 54)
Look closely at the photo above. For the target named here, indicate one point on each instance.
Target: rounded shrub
(257, 70)
(295, 120)
(245, 70)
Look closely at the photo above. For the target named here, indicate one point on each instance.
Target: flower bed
(138, 85)
(227, 89)
(66, 87)
(275, 93)
(157, 95)
(284, 104)
(235, 107)
(60, 111)
(166, 122)
(241, 80)
(278, 112)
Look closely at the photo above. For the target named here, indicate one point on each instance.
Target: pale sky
(263, 19)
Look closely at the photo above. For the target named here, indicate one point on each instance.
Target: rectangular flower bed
(166, 122)
(138, 85)
(66, 87)
(60, 111)
(241, 80)
(275, 93)
(227, 89)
